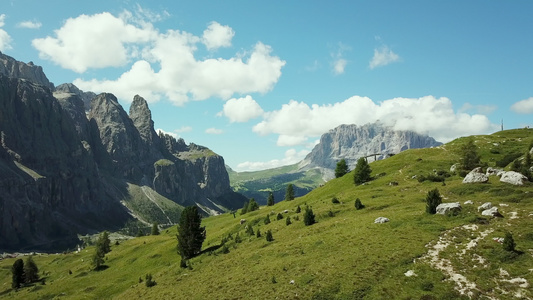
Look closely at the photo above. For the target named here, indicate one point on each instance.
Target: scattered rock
(493, 212)
(493, 171)
(393, 183)
(381, 220)
(286, 211)
(476, 176)
(484, 206)
(291, 282)
(446, 208)
(454, 167)
(410, 273)
(242, 221)
(513, 178)
(469, 202)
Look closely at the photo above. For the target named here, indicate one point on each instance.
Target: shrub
(225, 249)
(258, 233)
(238, 238)
(155, 229)
(148, 280)
(331, 213)
(507, 159)
(270, 200)
(279, 216)
(31, 272)
(433, 199)
(298, 209)
(335, 200)
(358, 204)
(508, 242)
(288, 221)
(269, 236)
(470, 158)
(309, 217)
(249, 230)
(17, 273)
(267, 219)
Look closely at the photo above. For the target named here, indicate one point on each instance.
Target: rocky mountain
(65, 172)
(350, 142)
(70, 88)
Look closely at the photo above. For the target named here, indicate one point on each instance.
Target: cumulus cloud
(291, 157)
(160, 64)
(239, 110)
(216, 36)
(5, 39)
(524, 106)
(382, 57)
(296, 122)
(213, 130)
(339, 63)
(30, 24)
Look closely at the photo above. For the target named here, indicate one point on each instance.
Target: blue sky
(258, 82)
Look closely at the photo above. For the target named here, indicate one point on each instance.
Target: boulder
(469, 202)
(493, 171)
(446, 208)
(492, 212)
(484, 206)
(381, 220)
(513, 178)
(476, 176)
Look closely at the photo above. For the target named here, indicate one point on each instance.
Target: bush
(31, 272)
(249, 230)
(155, 229)
(279, 216)
(358, 204)
(298, 209)
(267, 220)
(309, 217)
(508, 242)
(258, 233)
(433, 199)
(335, 200)
(288, 221)
(507, 159)
(470, 158)
(269, 236)
(148, 280)
(331, 213)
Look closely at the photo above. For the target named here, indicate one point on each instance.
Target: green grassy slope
(343, 256)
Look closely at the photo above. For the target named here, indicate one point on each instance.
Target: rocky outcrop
(476, 176)
(513, 178)
(350, 142)
(448, 208)
(69, 88)
(12, 68)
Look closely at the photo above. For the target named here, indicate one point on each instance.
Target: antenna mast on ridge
(502, 124)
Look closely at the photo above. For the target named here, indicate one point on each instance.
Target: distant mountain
(350, 142)
(66, 169)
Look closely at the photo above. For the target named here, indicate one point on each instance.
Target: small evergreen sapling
(267, 220)
(309, 217)
(270, 200)
(155, 229)
(279, 216)
(298, 209)
(289, 193)
(269, 236)
(358, 204)
(288, 221)
(433, 199)
(508, 242)
(149, 282)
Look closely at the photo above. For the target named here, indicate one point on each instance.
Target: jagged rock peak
(66, 89)
(16, 69)
(141, 116)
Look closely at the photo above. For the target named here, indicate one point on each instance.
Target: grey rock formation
(448, 208)
(476, 176)
(352, 142)
(381, 220)
(492, 212)
(69, 88)
(12, 68)
(493, 171)
(513, 178)
(484, 206)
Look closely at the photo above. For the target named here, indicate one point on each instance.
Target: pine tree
(289, 193)
(362, 171)
(298, 209)
(288, 221)
(98, 258)
(249, 230)
(270, 200)
(279, 216)
(17, 273)
(309, 217)
(269, 236)
(104, 242)
(470, 157)
(252, 205)
(31, 272)
(267, 219)
(258, 233)
(341, 169)
(358, 204)
(433, 199)
(155, 229)
(508, 242)
(191, 234)
(244, 208)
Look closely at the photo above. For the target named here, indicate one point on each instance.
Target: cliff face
(352, 142)
(12, 68)
(63, 171)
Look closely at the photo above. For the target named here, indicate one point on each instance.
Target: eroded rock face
(69, 88)
(476, 176)
(513, 178)
(352, 142)
(12, 68)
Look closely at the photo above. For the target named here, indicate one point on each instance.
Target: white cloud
(339, 65)
(162, 65)
(382, 57)
(97, 41)
(480, 109)
(30, 24)
(296, 122)
(291, 157)
(5, 39)
(214, 131)
(239, 110)
(524, 106)
(216, 36)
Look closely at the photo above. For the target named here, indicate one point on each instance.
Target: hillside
(343, 256)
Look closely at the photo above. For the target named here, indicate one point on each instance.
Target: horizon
(259, 83)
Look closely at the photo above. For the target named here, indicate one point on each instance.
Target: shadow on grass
(210, 249)
(101, 268)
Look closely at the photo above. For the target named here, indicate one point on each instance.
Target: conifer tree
(298, 209)
(98, 258)
(358, 204)
(155, 229)
(31, 272)
(252, 205)
(289, 192)
(267, 219)
(269, 236)
(309, 217)
(362, 171)
(508, 242)
(244, 208)
(191, 234)
(17, 273)
(341, 169)
(288, 221)
(279, 216)
(470, 157)
(433, 199)
(270, 200)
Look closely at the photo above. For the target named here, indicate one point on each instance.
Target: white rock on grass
(476, 176)
(469, 202)
(492, 212)
(513, 178)
(445, 208)
(410, 273)
(381, 220)
(493, 171)
(484, 206)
